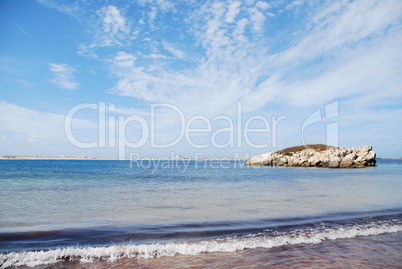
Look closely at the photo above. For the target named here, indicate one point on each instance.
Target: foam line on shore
(267, 239)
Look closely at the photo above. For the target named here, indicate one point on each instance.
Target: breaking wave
(268, 238)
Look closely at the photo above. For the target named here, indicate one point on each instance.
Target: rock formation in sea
(318, 155)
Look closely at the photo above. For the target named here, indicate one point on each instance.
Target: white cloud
(152, 15)
(293, 4)
(151, 83)
(154, 8)
(31, 132)
(148, 83)
(111, 29)
(222, 76)
(258, 19)
(161, 4)
(26, 84)
(238, 32)
(115, 30)
(238, 66)
(36, 126)
(114, 23)
(156, 56)
(359, 75)
(342, 55)
(70, 9)
(223, 52)
(165, 4)
(39, 140)
(233, 11)
(63, 76)
(263, 5)
(342, 25)
(174, 51)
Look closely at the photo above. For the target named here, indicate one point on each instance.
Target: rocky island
(318, 155)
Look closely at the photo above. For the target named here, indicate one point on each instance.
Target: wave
(265, 239)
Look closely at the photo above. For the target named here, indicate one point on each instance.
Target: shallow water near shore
(173, 214)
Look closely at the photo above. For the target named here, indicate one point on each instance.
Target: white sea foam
(113, 253)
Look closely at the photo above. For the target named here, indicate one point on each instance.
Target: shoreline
(12, 157)
(82, 157)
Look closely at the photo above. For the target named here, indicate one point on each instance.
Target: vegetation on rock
(292, 150)
(318, 155)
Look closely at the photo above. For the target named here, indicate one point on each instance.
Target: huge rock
(318, 156)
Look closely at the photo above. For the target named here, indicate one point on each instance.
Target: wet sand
(381, 251)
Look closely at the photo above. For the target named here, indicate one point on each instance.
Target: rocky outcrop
(325, 156)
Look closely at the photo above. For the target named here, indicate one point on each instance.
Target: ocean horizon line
(73, 157)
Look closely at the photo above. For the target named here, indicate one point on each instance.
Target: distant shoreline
(62, 157)
(54, 158)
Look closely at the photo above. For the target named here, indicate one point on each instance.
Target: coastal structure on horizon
(318, 155)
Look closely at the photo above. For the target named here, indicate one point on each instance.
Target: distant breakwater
(318, 155)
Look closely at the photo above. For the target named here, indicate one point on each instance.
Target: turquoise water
(56, 204)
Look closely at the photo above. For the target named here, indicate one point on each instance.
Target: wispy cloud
(342, 54)
(346, 50)
(39, 140)
(174, 51)
(115, 29)
(206, 56)
(149, 83)
(71, 8)
(156, 56)
(226, 73)
(63, 76)
(155, 7)
(233, 11)
(257, 17)
(35, 126)
(26, 84)
(293, 4)
(111, 30)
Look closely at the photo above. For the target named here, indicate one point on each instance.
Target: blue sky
(165, 68)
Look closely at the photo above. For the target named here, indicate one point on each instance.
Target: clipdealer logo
(331, 114)
(112, 129)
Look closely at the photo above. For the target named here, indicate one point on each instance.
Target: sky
(198, 78)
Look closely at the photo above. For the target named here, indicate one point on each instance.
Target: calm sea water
(175, 214)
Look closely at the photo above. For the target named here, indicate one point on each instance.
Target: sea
(198, 214)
